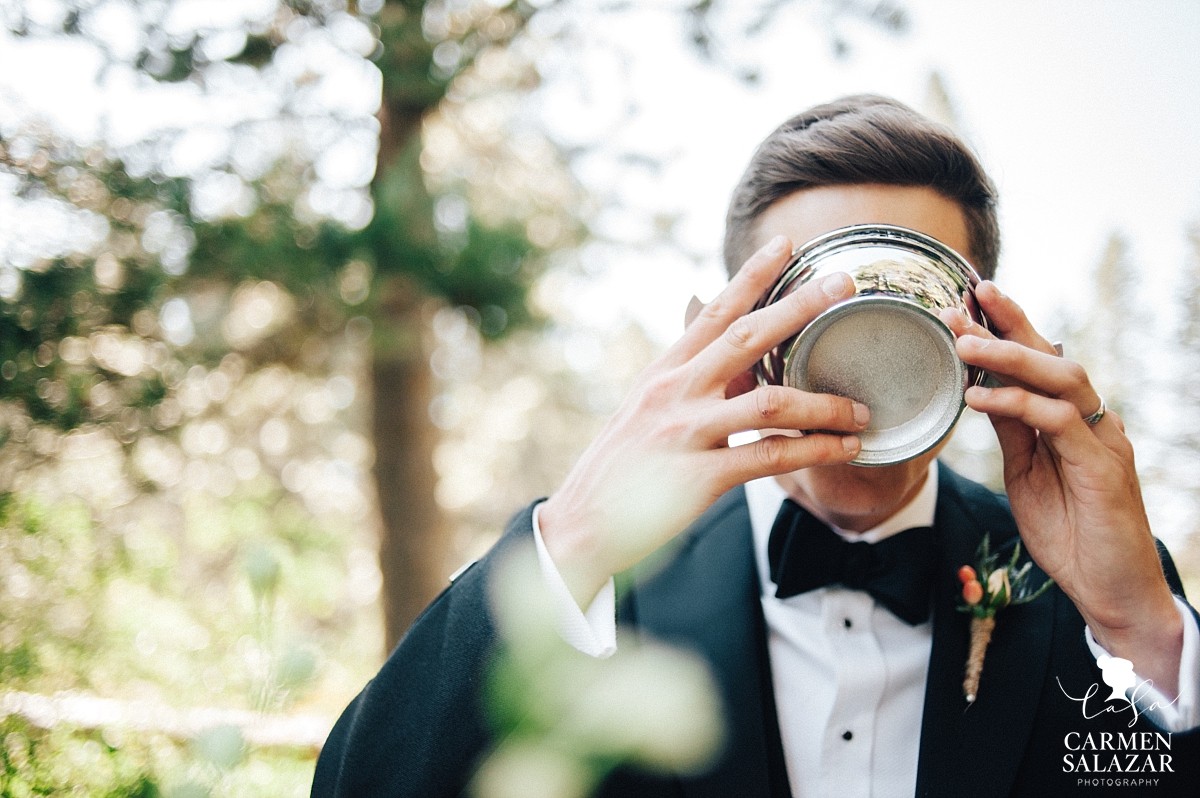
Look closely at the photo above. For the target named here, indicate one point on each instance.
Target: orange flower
(972, 592)
(966, 574)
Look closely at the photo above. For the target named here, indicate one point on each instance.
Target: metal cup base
(895, 357)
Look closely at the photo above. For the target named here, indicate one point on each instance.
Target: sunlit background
(299, 301)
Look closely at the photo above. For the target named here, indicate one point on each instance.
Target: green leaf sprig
(991, 586)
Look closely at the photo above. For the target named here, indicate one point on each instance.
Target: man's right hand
(663, 458)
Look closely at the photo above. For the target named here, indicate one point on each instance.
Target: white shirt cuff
(593, 632)
(1182, 714)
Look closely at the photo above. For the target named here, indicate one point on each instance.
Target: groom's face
(854, 497)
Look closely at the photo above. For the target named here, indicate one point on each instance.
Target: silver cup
(885, 346)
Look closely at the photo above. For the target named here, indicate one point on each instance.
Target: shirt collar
(765, 496)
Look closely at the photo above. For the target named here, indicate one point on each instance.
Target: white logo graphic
(1117, 674)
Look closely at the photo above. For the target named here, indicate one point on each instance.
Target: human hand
(664, 457)
(1073, 487)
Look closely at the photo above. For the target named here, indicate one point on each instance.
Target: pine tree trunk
(412, 548)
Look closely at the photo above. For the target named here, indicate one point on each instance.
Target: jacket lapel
(977, 750)
(706, 598)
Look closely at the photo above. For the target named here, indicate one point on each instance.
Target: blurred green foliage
(237, 607)
(66, 760)
(87, 607)
(63, 760)
(73, 297)
(54, 577)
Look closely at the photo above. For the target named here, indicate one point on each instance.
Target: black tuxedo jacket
(417, 729)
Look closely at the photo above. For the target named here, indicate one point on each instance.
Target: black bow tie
(805, 554)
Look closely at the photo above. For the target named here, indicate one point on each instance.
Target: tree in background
(1112, 340)
(348, 219)
(477, 255)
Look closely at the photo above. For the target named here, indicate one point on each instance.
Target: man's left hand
(1073, 487)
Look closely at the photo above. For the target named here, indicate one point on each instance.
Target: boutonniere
(986, 589)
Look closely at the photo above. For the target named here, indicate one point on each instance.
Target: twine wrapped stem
(981, 635)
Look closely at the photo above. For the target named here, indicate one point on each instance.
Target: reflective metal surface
(885, 346)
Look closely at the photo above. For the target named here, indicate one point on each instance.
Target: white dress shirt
(843, 667)
(849, 677)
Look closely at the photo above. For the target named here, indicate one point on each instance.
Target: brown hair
(860, 140)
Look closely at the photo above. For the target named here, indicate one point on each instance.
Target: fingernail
(994, 287)
(978, 342)
(981, 392)
(693, 310)
(950, 316)
(777, 245)
(862, 414)
(835, 285)
(850, 444)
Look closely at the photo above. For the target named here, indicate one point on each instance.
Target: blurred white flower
(526, 770)
(649, 705)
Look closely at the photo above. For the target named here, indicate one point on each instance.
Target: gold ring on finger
(1094, 418)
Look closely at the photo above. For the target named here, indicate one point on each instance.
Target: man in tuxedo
(835, 681)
